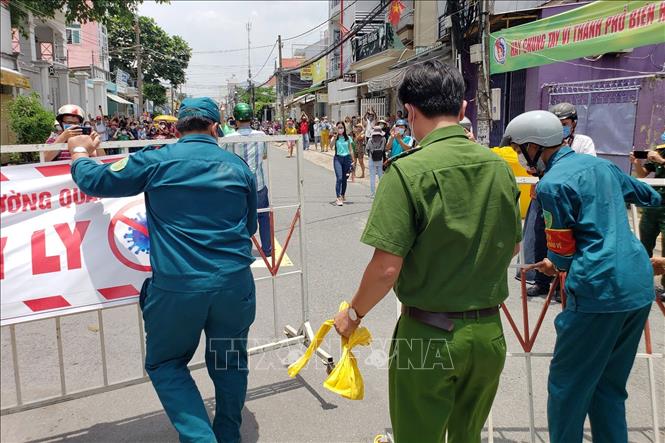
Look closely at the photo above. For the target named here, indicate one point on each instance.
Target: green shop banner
(596, 28)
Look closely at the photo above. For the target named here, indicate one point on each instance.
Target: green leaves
(80, 11)
(29, 120)
(264, 96)
(154, 92)
(163, 56)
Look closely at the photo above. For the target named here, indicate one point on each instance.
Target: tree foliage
(162, 56)
(79, 11)
(31, 123)
(264, 96)
(154, 92)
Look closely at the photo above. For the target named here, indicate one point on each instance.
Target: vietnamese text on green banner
(596, 28)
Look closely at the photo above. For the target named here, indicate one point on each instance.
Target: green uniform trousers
(444, 382)
(652, 223)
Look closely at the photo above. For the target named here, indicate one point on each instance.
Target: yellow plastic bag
(345, 379)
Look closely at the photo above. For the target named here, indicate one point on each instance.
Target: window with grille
(73, 33)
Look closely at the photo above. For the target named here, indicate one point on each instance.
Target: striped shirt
(252, 153)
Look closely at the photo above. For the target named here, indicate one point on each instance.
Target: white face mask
(340, 131)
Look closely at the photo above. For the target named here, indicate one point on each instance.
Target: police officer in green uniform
(201, 209)
(445, 225)
(652, 221)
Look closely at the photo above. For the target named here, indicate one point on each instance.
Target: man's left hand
(546, 267)
(344, 325)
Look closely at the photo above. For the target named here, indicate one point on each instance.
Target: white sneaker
(339, 202)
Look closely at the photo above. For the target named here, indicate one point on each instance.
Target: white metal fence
(303, 334)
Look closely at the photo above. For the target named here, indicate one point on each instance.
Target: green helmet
(242, 112)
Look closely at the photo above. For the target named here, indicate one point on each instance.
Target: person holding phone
(343, 161)
(652, 221)
(398, 142)
(70, 118)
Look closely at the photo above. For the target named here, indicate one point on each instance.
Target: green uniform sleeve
(128, 176)
(391, 226)
(560, 209)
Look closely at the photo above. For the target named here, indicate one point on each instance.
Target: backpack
(376, 151)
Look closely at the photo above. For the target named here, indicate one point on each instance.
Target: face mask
(400, 131)
(566, 131)
(340, 131)
(540, 167)
(662, 137)
(67, 125)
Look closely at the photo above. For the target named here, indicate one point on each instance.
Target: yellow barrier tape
(345, 379)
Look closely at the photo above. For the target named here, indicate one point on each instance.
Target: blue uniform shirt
(588, 233)
(201, 208)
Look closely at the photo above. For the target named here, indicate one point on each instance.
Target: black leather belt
(444, 320)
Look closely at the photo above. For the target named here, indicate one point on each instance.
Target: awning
(442, 52)
(389, 80)
(310, 90)
(302, 99)
(357, 85)
(9, 77)
(118, 99)
(389, 55)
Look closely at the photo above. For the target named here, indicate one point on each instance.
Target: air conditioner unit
(476, 53)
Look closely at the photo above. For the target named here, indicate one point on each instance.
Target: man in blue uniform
(201, 210)
(610, 278)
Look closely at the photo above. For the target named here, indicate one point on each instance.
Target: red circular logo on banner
(129, 238)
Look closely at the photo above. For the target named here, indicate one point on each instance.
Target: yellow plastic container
(509, 155)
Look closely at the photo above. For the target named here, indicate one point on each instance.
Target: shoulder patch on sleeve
(119, 165)
(547, 216)
(561, 241)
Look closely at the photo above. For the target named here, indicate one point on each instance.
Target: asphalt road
(279, 409)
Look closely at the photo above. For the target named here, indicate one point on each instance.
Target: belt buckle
(448, 324)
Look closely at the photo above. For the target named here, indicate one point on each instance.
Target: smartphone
(87, 130)
(641, 154)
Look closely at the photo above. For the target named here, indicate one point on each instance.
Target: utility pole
(139, 73)
(280, 85)
(172, 108)
(483, 95)
(249, 65)
(341, 36)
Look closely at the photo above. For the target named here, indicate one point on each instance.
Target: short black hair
(434, 88)
(192, 124)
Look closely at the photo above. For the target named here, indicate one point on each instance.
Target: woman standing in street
(359, 148)
(376, 151)
(342, 162)
(290, 130)
(304, 131)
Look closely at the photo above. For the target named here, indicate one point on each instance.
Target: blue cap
(401, 122)
(199, 107)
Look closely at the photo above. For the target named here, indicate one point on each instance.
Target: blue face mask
(566, 131)
(67, 125)
(662, 137)
(400, 131)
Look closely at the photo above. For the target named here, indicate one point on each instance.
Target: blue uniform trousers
(173, 325)
(593, 356)
(264, 221)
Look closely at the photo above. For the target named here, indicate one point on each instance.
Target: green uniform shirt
(451, 211)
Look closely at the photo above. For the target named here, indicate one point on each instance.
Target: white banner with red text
(62, 251)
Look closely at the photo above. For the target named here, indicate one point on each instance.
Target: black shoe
(537, 291)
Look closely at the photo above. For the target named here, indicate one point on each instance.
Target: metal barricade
(303, 334)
